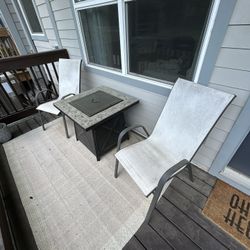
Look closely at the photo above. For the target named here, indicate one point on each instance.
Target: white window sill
(39, 37)
(155, 83)
(235, 176)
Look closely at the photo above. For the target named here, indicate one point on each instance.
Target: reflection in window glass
(241, 159)
(165, 36)
(31, 16)
(101, 30)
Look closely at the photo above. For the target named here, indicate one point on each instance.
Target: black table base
(103, 137)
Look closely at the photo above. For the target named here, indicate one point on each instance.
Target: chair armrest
(125, 131)
(169, 174)
(174, 170)
(39, 93)
(65, 96)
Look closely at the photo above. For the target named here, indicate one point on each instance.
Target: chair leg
(65, 126)
(116, 168)
(190, 172)
(41, 118)
(153, 203)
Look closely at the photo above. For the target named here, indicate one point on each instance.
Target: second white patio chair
(69, 84)
(189, 114)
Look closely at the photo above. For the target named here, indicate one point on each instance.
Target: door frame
(236, 136)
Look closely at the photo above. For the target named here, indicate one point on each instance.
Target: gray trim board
(12, 27)
(40, 37)
(24, 25)
(77, 31)
(236, 136)
(53, 21)
(219, 30)
(129, 81)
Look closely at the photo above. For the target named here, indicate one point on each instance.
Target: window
(31, 17)
(241, 159)
(156, 39)
(101, 30)
(164, 37)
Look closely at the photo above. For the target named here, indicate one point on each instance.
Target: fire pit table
(98, 116)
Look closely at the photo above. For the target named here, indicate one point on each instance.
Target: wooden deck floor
(178, 222)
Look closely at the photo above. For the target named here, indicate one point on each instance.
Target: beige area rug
(71, 200)
(230, 209)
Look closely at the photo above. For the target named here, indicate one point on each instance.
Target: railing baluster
(45, 81)
(4, 108)
(7, 96)
(30, 72)
(51, 79)
(12, 88)
(22, 87)
(43, 77)
(5, 50)
(28, 81)
(36, 81)
(54, 68)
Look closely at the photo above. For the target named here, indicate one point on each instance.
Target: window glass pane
(101, 30)
(165, 36)
(31, 16)
(241, 160)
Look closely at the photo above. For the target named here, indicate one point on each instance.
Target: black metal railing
(21, 77)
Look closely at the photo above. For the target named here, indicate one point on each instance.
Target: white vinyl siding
(67, 29)
(47, 26)
(231, 74)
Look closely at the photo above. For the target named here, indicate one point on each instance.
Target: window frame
(38, 35)
(123, 32)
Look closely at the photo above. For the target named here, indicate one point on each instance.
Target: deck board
(170, 232)
(178, 217)
(198, 235)
(202, 175)
(198, 184)
(151, 239)
(195, 213)
(134, 243)
(192, 194)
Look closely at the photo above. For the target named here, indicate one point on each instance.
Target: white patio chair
(69, 84)
(189, 114)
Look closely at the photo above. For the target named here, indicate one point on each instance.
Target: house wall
(51, 41)
(231, 72)
(59, 26)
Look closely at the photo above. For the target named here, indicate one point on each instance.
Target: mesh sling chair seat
(189, 114)
(69, 84)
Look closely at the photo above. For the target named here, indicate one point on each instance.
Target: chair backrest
(190, 113)
(69, 76)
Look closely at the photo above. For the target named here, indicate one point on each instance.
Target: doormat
(230, 209)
